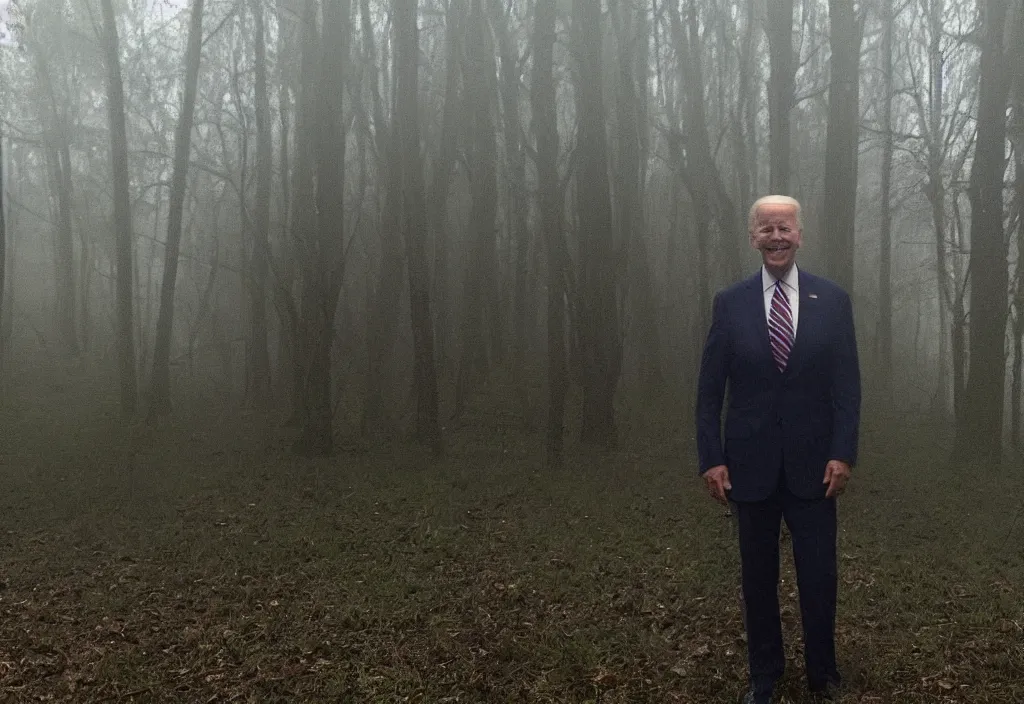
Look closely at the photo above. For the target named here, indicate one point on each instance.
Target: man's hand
(717, 481)
(837, 473)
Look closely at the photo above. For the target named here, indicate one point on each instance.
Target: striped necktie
(780, 327)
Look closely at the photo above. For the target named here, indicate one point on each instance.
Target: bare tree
(259, 354)
(839, 210)
(691, 152)
(3, 258)
(980, 433)
(481, 326)
(551, 202)
(517, 208)
(744, 121)
(597, 324)
(385, 298)
(883, 330)
(781, 89)
(1016, 135)
(54, 116)
(414, 223)
(631, 31)
(160, 395)
(323, 250)
(441, 177)
(122, 212)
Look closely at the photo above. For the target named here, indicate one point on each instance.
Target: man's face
(776, 235)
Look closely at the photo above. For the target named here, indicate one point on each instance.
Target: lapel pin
(812, 295)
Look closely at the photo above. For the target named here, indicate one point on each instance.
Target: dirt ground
(200, 561)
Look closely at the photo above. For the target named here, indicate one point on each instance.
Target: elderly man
(783, 343)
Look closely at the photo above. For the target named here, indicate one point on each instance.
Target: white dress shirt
(791, 286)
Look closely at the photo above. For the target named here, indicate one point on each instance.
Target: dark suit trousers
(812, 525)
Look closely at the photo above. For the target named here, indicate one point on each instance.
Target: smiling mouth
(777, 248)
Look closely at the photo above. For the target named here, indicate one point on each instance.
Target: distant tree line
(376, 209)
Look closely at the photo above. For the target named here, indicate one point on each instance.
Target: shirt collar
(791, 280)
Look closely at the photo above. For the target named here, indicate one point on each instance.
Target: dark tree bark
(839, 208)
(441, 179)
(414, 222)
(631, 100)
(481, 326)
(3, 259)
(517, 209)
(122, 213)
(385, 300)
(304, 220)
(597, 325)
(883, 331)
(781, 88)
(1017, 383)
(952, 314)
(160, 391)
(259, 353)
(284, 257)
(1016, 133)
(324, 251)
(691, 151)
(66, 283)
(551, 203)
(980, 434)
(745, 154)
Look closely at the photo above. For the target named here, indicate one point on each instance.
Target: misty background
(564, 220)
(241, 235)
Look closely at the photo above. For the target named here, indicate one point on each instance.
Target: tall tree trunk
(66, 283)
(1017, 139)
(746, 104)
(414, 226)
(631, 101)
(284, 270)
(883, 331)
(1017, 384)
(383, 302)
(3, 260)
(695, 159)
(840, 204)
(324, 254)
(480, 289)
(980, 435)
(58, 157)
(781, 89)
(259, 353)
(550, 203)
(517, 210)
(597, 324)
(935, 189)
(304, 219)
(160, 391)
(441, 178)
(122, 213)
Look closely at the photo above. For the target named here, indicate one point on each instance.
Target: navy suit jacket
(793, 421)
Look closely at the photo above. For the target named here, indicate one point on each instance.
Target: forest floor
(201, 561)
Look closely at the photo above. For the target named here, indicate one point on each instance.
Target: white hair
(774, 200)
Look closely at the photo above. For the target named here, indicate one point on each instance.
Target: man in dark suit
(783, 344)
